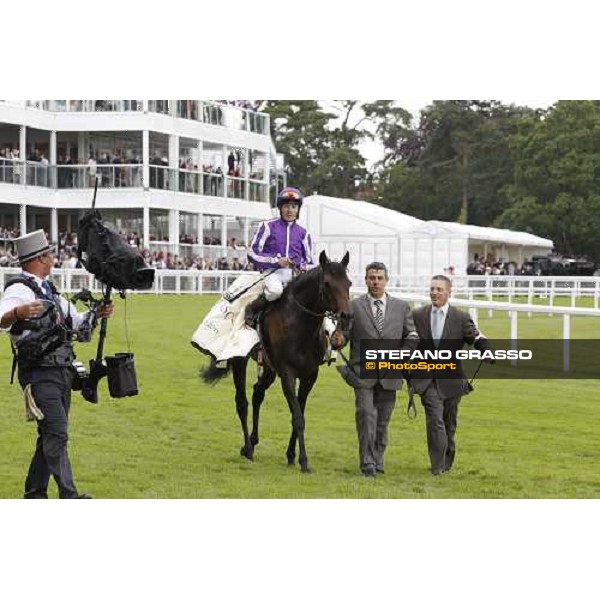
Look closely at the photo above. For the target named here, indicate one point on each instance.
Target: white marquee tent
(406, 244)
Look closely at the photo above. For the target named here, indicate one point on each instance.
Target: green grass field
(180, 439)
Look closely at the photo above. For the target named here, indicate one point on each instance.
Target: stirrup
(251, 320)
(260, 305)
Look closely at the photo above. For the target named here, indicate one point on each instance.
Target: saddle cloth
(222, 333)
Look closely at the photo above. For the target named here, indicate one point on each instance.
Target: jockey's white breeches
(275, 283)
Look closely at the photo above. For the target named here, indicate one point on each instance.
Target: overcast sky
(373, 151)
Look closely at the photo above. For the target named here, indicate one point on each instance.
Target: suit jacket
(398, 324)
(459, 329)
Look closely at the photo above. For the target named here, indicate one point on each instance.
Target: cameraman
(40, 324)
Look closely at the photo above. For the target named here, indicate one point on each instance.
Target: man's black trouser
(441, 417)
(51, 388)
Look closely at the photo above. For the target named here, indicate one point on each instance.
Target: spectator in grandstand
(235, 264)
(70, 173)
(218, 180)
(69, 262)
(17, 167)
(223, 264)
(6, 258)
(8, 233)
(92, 170)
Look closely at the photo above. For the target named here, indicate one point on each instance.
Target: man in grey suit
(376, 315)
(443, 327)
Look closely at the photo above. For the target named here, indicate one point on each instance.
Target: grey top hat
(32, 245)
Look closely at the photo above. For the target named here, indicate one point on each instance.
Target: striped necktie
(379, 315)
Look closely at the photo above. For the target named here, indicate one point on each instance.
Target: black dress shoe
(380, 471)
(84, 497)
(369, 471)
(438, 472)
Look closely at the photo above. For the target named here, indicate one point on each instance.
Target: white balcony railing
(131, 176)
(207, 184)
(205, 111)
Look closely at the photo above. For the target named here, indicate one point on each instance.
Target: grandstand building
(179, 176)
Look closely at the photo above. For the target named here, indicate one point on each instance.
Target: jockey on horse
(281, 245)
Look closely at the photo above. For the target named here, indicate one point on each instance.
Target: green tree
(299, 130)
(393, 129)
(320, 144)
(557, 177)
(461, 150)
(343, 169)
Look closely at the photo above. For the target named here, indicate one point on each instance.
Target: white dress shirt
(372, 303)
(19, 294)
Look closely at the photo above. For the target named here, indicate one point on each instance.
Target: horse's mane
(312, 276)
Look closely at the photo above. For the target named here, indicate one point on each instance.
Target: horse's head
(335, 285)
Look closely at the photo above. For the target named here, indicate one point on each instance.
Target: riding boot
(254, 309)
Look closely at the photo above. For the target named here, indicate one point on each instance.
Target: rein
(328, 313)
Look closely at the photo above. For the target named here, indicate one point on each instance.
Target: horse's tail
(212, 375)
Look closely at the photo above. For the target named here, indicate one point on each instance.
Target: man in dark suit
(376, 315)
(443, 327)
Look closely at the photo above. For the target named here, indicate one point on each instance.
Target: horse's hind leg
(304, 389)
(241, 403)
(263, 383)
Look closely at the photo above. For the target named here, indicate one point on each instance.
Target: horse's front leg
(306, 385)
(288, 383)
(239, 367)
(262, 384)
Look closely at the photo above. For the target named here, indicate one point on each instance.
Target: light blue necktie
(437, 328)
(47, 289)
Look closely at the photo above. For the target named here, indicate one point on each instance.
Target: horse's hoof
(305, 468)
(291, 462)
(246, 453)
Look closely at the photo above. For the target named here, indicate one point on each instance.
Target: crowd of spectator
(7, 259)
(212, 176)
(66, 255)
(490, 266)
(11, 170)
(71, 174)
(123, 169)
(167, 260)
(8, 233)
(246, 104)
(8, 152)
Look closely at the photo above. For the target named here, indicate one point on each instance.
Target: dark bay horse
(294, 345)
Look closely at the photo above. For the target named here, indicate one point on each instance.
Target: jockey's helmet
(289, 194)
